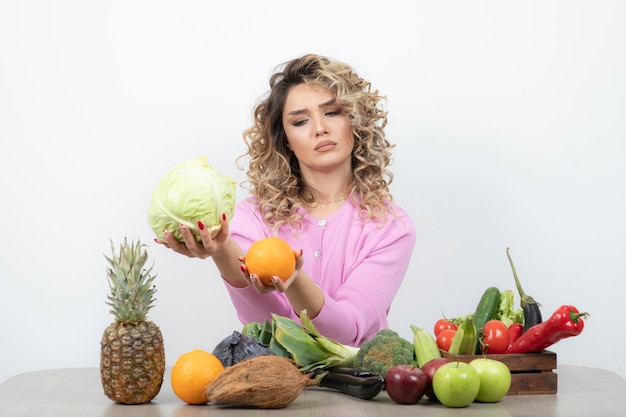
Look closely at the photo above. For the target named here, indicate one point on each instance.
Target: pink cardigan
(359, 266)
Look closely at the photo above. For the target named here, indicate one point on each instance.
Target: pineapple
(132, 357)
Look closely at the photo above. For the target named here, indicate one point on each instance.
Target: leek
(302, 343)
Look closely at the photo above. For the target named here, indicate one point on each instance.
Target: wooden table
(584, 392)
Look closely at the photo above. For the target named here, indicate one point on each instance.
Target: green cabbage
(192, 191)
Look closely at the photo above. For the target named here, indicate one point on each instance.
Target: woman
(318, 178)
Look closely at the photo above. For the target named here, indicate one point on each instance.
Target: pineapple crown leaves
(131, 285)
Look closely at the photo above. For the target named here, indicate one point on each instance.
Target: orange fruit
(192, 373)
(270, 257)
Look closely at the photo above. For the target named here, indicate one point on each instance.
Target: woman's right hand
(209, 246)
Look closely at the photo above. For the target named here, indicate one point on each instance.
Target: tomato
(444, 339)
(495, 337)
(443, 324)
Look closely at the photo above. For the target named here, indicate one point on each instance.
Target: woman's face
(317, 130)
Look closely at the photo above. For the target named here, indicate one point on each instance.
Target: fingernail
(157, 241)
(301, 252)
(164, 233)
(182, 227)
(243, 268)
(200, 225)
(223, 216)
(274, 279)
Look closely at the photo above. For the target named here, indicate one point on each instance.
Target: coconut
(262, 382)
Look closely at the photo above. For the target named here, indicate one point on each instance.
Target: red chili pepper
(515, 331)
(566, 321)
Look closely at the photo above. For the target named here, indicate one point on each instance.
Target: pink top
(357, 264)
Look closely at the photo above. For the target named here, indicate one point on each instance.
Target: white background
(509, 120)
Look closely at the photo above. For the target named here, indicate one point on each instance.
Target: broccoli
(386, 349)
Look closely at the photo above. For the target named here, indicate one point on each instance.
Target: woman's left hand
(277, 283)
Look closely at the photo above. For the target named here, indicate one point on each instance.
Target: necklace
(330, 202)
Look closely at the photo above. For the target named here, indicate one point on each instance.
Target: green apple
(495, 379)
(456, 384)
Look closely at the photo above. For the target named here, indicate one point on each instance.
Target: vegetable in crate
(507, 312)
(565, 322)
(486, 310)
(495, 337)
(464, 339)
(443, 324)
(192, 191)
(532, 310)
(386, 349)
(444, 339)
(238, 347)
(515, 331)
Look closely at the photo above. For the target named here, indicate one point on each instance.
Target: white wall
(508, 119)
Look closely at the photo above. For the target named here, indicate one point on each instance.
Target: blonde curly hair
(274, 176)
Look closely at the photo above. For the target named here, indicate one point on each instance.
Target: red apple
(405, 384)
(429, 369)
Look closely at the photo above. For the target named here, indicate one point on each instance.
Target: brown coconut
(262, 382)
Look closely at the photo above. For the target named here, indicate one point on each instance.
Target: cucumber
(486, 310)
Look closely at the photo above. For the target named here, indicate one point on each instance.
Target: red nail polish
(200, 225)
(224, 217)
(243, 268)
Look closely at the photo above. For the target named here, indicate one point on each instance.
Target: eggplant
(530, 307)
(350, 371)
(355, 382)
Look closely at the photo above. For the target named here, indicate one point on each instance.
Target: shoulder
(398, 222)
(247, 216)
(395, 218)
(398, 213)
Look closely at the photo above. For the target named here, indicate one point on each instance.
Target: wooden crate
(530, 373)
